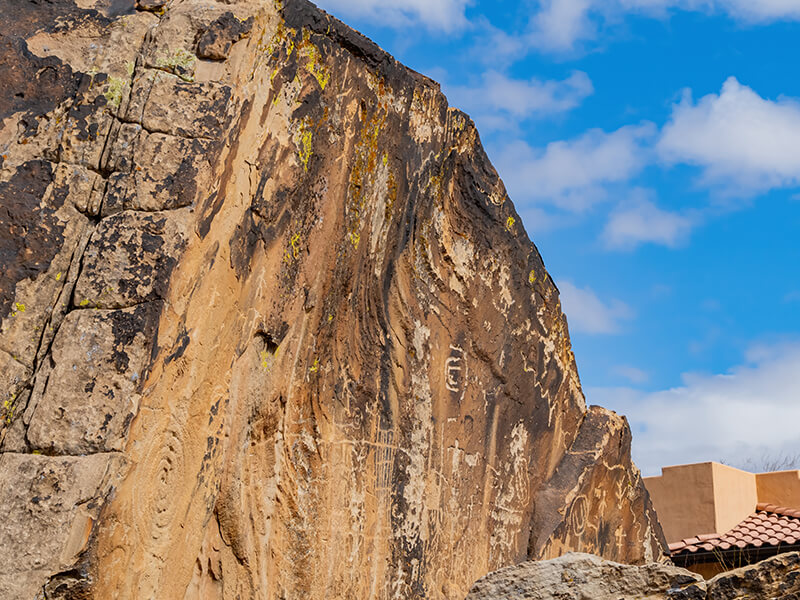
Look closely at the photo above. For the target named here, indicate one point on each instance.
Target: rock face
(270, 326)
(577, 576)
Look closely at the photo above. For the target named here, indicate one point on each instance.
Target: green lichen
(532, 277)
(129, 67)
(181, 63)
(115, 89)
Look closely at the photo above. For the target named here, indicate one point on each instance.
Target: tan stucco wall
(712, 498)
(735, 496)
(683, 497)
(781, 488)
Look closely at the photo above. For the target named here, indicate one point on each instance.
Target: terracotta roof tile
(770, 525)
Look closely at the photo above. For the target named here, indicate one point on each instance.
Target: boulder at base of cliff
(775, 578)
(578, 576)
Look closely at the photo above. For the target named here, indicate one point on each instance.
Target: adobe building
(717, 518)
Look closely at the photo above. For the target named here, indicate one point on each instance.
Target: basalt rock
(270, 325)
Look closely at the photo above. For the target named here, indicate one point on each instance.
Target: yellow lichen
(282, 34)
(532, 277)
(314, 64)
(84, 303)
(315, 367)
(510, 221)
(58, 276)
(294, 243)
(364, 168)
(305, 151)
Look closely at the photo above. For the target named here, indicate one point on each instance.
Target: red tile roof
(770, 525)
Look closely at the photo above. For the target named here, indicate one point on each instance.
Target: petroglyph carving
(578, 514)
(455, 370)
(384, 458)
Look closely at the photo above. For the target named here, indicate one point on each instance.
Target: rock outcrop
(270, 326)
(576, 576)
(777, 578)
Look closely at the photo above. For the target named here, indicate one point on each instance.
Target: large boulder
(777, 578)
(579, 576)
(270, 324)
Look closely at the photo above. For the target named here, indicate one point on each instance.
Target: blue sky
(652, 148)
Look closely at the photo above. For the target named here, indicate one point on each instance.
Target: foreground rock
(270, 326)
(776, 578)
(578, 576)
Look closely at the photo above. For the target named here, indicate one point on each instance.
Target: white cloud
(573, 175)
(738, 138)
(632, 374)
(746, 413)
(445, 15)
(560, 24)
(586, 313)
(502, 102)
(762, 10)
(639, 221)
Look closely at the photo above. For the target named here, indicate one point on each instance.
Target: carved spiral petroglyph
(156, 503)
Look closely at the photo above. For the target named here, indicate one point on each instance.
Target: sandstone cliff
(270, 326)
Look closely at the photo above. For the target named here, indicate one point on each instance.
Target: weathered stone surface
(578, 576)
(776, 578)
(216, 42)
(129, 259)
(583, 576)
(288, 287)
(85, 398)
(604, 514)
(54, 500)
